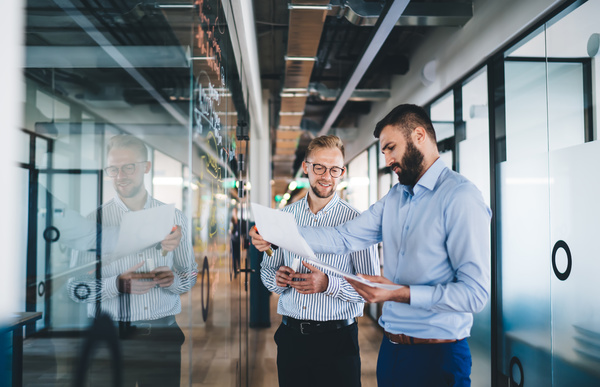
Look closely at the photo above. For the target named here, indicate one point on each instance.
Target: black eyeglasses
(320, 169)
(127, 169)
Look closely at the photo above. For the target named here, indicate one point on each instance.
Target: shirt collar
(334, 199)
(428, 180)
(122, 205)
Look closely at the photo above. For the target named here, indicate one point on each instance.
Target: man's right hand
(135, 283)
(258, 241)
(283, 276)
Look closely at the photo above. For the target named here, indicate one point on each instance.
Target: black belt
(306, 327)
(144, 327)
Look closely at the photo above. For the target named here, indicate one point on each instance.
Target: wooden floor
(219, 350)
(263, 367)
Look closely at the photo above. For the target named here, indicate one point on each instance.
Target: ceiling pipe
(322, 93)
(366, 14)
(384, 26)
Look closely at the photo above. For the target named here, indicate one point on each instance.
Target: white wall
(11, 25)
(457, 51)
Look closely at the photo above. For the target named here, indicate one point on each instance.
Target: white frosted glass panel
(358, 182)
(474, 164)
(526, 124)
(565, 105)
(442, 115)
(575, 212)
(443, 108)
(569, 37)
(525, 269)
(373, 174)
(167, 179)
(385, 183)
(79, 193)
(23, 148)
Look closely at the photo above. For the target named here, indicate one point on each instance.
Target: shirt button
(304, 307)
(145, 308)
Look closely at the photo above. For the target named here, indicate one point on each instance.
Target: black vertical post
(497, 149)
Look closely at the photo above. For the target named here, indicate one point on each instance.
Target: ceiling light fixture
(292, 127)
(291, 113)
(294, 90)
(202, 57)
(175, 6)
(326, 7)
(301, 58)
(293, 95)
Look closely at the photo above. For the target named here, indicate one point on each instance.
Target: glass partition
(474, 164)
(548, 205)
(129, 120)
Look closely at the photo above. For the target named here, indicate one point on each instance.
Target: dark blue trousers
(424, 365)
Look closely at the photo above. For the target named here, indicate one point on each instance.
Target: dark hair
(406, 117)
(325, 142)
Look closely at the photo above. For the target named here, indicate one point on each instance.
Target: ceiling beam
(384, 26)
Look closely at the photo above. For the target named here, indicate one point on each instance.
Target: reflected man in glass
(140, 291)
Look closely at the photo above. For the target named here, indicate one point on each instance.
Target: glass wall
(473, 161)
(128, 153)
(549, 204)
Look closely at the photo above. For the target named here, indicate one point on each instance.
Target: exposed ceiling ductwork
(363, 13)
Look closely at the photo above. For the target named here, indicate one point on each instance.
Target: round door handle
(565, 274)
(51, 234)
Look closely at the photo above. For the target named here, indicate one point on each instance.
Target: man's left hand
(164, 276)
(314, 282)
(371, 294)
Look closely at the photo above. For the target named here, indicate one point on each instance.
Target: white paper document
(142, 229)
(280, 228)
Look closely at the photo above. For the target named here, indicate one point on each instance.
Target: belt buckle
(302, 324)
(148, 328)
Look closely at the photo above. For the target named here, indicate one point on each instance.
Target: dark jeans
(321, 359)
(424, 365)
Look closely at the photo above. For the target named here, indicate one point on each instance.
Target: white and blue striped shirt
(340, 301)
(158, 302)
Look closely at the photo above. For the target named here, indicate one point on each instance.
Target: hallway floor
(218, 346)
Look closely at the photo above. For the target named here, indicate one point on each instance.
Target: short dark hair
(406, 117)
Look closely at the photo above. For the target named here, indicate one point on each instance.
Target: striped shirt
(340, 301)
(103, 293)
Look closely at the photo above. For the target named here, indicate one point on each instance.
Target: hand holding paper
(383, 290)
(280, 228)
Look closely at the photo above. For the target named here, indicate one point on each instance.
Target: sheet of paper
(280, 229)
(318, 262)
(142, 229)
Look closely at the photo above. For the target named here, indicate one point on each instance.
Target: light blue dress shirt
(436, 240)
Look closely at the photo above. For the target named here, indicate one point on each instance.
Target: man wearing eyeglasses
(140, 291)
(317, 341)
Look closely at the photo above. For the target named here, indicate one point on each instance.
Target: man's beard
(315, 189)
(411, 166)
